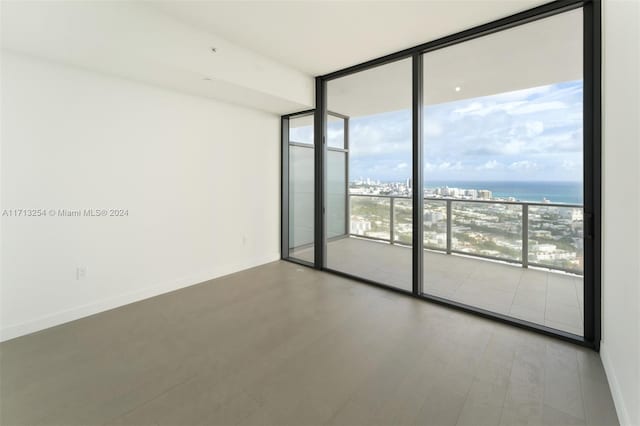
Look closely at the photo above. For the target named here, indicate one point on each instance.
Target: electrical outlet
(81, 272)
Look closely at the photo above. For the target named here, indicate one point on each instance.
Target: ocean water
(556, 192)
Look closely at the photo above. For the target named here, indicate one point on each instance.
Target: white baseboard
(67, 315)
(614, 386)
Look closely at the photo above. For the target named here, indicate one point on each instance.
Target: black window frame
(592, 173)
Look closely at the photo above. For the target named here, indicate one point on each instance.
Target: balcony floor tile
(541, 296)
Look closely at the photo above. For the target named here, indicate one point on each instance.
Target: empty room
(301, 213)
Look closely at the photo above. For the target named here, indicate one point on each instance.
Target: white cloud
(432, 128)
(524, 165)
(482, 110)
(402, 166)
(531, 107)
(513, 147)
(472, 107)
(569, 165)
(534, 128)
(376, 136)
(489, 165)
(516, 107)
(450, 166)
(445, 165)
(559, 141)
(518, 95)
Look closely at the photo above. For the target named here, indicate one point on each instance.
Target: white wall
(620, 349)
(200, 180)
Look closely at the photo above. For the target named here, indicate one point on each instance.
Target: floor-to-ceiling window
(499, 127)
(503, 173)
(368, 189)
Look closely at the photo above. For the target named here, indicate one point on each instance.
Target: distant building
(576, 215)
(451, 192)
(484, 194)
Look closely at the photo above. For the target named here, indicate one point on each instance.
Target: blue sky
(526, 135)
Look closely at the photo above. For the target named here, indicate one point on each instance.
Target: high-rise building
(484, 194)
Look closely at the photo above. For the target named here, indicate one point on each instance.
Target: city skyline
(540, 191)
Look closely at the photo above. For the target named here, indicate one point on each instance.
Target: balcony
(519, 259)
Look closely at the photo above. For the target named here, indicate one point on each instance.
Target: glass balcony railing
(536, 234)
(487, 229)
(371, 217)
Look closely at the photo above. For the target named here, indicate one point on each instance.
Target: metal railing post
(391, 224)
(525, 235)
(449, 217)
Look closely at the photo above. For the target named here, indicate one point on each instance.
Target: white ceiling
(318, 37)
